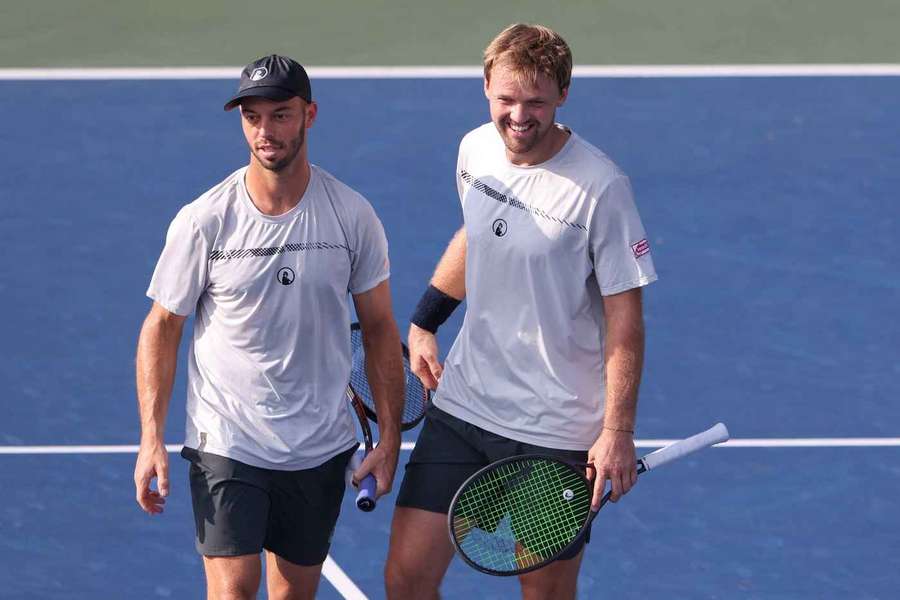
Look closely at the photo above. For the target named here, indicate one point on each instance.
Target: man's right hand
(423, 353)
(152, 463)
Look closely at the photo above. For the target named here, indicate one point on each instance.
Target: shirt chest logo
(513, 202)
(285, 276)
(499, 227)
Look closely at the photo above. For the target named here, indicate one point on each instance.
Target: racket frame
(576, 468)
(714, 435)
(365, 498)
(407, 372)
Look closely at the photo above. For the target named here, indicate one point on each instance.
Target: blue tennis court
(771, 205)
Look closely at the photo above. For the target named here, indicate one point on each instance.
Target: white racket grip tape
(352, 466)
(715, 434)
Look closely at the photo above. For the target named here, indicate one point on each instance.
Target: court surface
(771, 205)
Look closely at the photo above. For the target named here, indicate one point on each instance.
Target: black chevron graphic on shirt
(515, 203)
(256, 252)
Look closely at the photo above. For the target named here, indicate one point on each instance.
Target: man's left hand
(613, 458)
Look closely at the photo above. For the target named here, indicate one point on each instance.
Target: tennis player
(265, 261)
(551, 259)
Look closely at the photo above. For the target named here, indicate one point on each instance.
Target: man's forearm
(623, 377)
(157, 357)
(384, 370)
(624, 352)
(450, 273)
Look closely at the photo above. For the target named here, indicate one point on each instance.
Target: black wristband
(433, 309)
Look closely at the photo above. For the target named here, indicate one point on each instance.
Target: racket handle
(713, 435)
(365, 500)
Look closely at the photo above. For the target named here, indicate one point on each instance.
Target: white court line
(332, 572)
(79, 449)
(343, 584)
(807, 442)
(868, 442)
(456, 72)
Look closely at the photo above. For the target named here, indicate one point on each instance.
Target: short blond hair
(530, 51)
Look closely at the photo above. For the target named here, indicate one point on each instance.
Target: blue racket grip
(365, 500)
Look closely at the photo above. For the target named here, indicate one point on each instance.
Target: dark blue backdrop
(771, 206)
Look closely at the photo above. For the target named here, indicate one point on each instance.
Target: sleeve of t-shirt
(460, 161)
(619, 247)
(370, 264)
(181, 273)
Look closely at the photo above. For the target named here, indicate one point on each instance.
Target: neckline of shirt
(257, 214)
(547, 163)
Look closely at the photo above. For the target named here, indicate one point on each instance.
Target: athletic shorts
(449, 450)
(240, 509)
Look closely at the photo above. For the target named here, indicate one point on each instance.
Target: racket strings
(414, 401)
(521, 514)
(524, 524)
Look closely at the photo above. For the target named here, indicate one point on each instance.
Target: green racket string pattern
(520, 514)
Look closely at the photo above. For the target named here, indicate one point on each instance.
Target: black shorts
(240, 509)
(449, 450)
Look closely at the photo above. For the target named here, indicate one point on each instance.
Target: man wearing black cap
(266, 258)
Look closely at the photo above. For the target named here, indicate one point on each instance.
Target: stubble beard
(294, 147)
(522, 146)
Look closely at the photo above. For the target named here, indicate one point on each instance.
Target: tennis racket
(360, 396)
(521, 513)
(417, 397)
(365, 498)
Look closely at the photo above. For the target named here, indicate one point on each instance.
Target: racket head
(519, 514)
(417, 396)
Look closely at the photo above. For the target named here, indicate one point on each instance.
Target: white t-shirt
(544, 243)
(270, 356)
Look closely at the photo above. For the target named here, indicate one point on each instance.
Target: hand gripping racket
(521, 513)
(360, 396)
(365, 499)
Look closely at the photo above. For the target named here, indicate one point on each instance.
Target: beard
(523, 145)
(294, 146)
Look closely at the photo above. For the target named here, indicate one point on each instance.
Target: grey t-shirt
(544, 244)
(270, 357)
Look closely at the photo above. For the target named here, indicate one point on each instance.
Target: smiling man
(265, 261)
(551, 260)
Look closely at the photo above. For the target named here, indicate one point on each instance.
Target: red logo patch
(640, 248)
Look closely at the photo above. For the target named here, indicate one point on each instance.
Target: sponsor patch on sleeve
(641, 248)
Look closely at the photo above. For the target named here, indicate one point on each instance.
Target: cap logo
(259, 73)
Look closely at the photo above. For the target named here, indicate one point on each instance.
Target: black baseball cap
(274, 77)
